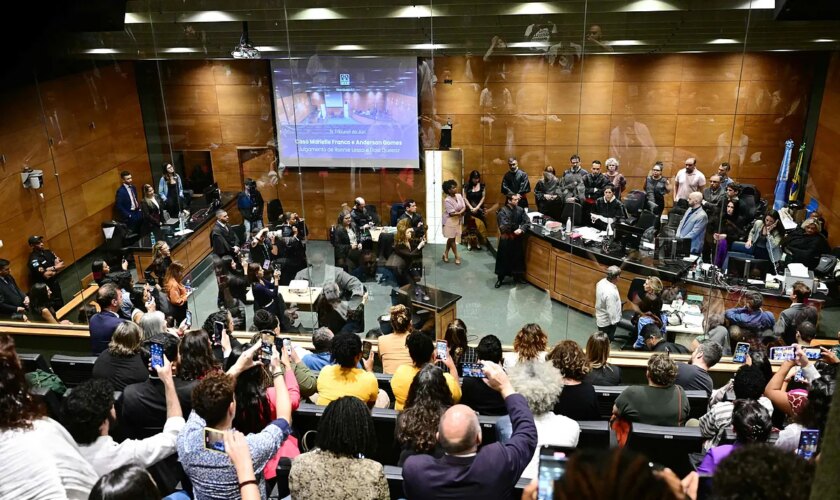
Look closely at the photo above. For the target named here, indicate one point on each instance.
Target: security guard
(44, 266)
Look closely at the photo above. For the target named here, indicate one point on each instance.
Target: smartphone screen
(741, 351)
(266, 264)
(156, 351)
(474, 370)
(440, 348)
(188, 318)
(812, 353)
(552, 468)
(781, 353)
(366, 347)
(808, 440)
(287, 344)
(218, 328)
(265, 348)
(214, 440)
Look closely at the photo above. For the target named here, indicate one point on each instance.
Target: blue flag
(780, 193)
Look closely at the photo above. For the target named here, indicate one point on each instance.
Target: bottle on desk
(569, 225)
(152, 238)
(188, 286)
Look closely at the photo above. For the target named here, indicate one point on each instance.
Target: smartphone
(474, 370)
(265, 348)
(218, 328)
(784, 353)
(742, 349)
(156, 354)
(287, 344)
(266, 264)
(440, 349)
(808, 440)
(366, 347)
(812, 353)
(214, 440)
(551, 469)
(188, 319)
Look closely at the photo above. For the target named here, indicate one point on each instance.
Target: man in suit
(515, 181)
(790, 318)
(693, 223)
(127, 202)
(414, 218)
(103, 324)
(222, 239)
(467, 469)
(44, 266)
(13, 302)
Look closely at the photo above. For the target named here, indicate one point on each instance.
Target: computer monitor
(554, 210)
(748, 268)
(672, 248)
(572, 210)
(628, 236)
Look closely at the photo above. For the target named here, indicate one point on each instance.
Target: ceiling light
(245, 49)
(269, 48)
(102, 51)
(135, 18)
(530, 8)
(647, 6)
(208, 16)
(413, 11)
(349, 47)
(781, 50)
(722, 41)
(527, 45)
(179, 50)
(825, 40)
(315, 14)
(625, 43)
(428, 46)
(758, 4)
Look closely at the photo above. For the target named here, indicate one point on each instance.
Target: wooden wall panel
(244, 100)
(191, 99)
(823, 182)
(246, 131)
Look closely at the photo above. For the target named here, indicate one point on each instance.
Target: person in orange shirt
(175, 291)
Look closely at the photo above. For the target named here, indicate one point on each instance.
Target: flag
(796, 187)
(780, 193)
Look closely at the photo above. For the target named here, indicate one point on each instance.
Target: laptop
(168, 220)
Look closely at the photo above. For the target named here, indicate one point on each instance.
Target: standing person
(688, 180)
(475, 222)
(415, 220)
(573, 188)
(731, 230)
(790, 318)
(490, 471)
(723, 173)
(515, 181)
(656, 187)
(347, 242)
(44, 267)
(161, 259)
(171, 189)
(222, 239)
(13, 302)
(714, 198)
(151, 211)
(615, 178)
(176, 292)
(693, 223)
(547, 189)
(127, 204)
(593, 184)
(453, 210)
(406, 259)
(251, 205)
(510, 258)
(608, 302)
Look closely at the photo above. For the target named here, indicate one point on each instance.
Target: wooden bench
(78, 299)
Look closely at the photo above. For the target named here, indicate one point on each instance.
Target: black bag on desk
(826, 265)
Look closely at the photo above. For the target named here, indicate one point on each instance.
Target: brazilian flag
(797, 190)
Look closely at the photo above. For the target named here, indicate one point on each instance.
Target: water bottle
(569, 225)
(152, 237)
(188, 285)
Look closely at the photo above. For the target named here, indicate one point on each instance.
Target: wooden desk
(304, 301)
(439, 302)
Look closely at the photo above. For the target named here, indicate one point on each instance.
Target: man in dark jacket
(510, 258)
(103, 324)
(223, 240)
(250, 203)
(13, 302)
(516, 181)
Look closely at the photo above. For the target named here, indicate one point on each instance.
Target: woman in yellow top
(344, 378)
(421, 347)
(392, 348)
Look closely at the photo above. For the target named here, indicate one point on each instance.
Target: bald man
(465, 471)
(693, 223)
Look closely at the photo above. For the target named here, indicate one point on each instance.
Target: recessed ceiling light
(722, 41)
(530, 8)
(269, 48)
(102, 51)
(758, 4)
(781, 50)
(625, 43)
(825, 40)
(349, 47)
(135, 18)
(316, 14)
(413, 11)
(428, 46)
(527, 45)
(647, 6)
(179, 50)
(208, 16)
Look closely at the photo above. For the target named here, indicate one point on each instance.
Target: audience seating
(72, 370)
(33, 361)
(395, 483)
(698, 402)
(50, 399)
(606, 398)
(384, 381)
(594, 434)
(668, 446)
(729, 437)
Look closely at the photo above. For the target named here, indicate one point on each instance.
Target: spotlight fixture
(245, 49)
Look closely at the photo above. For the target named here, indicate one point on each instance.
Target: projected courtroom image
(347, 112)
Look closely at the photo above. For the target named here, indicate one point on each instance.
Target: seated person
(392, 347)
(474, 392)
(212, 474)
(13, 300)
(752, 424)
(321, 356)
(749, 319)
(790, 318)
(337, 314)
(344, 378)
(421, 348)
(369, 270)
(716, 332)
(805, 244)
(578, 400)
(264, 320)
(806, 333)
(608, 206)
(654, 340)
(694, 375)
(121, 363)
(319, 273)
(100, 270)
(88, 413)
(661, 402)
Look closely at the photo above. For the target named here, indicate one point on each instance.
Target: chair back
(668, 446)
(72, 370)
(634, 202)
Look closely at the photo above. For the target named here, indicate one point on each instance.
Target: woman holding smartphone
(175, 291)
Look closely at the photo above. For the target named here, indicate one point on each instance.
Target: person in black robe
(547, 190)
(516, 181)
(510, 258)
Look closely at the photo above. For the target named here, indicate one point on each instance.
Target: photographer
(250, 203)
(288, 251)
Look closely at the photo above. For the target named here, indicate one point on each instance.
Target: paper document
(798, 270)
(648, 245)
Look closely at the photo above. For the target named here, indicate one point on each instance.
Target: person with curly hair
(40, 458)
(428, 398)
(752, 425)
(661, 402)
(121, 364)
(578, 400)
(762, 471)
(454, 208)
(530, 344)
(344, 378)
(541, 384)
(421, 348)
(337, 467)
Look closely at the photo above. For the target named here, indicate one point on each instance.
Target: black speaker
(807, 10)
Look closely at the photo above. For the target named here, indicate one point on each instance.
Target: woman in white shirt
(40, 459)
(530, 344)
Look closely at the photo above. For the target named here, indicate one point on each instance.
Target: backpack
(826, 265)
(46, 380)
